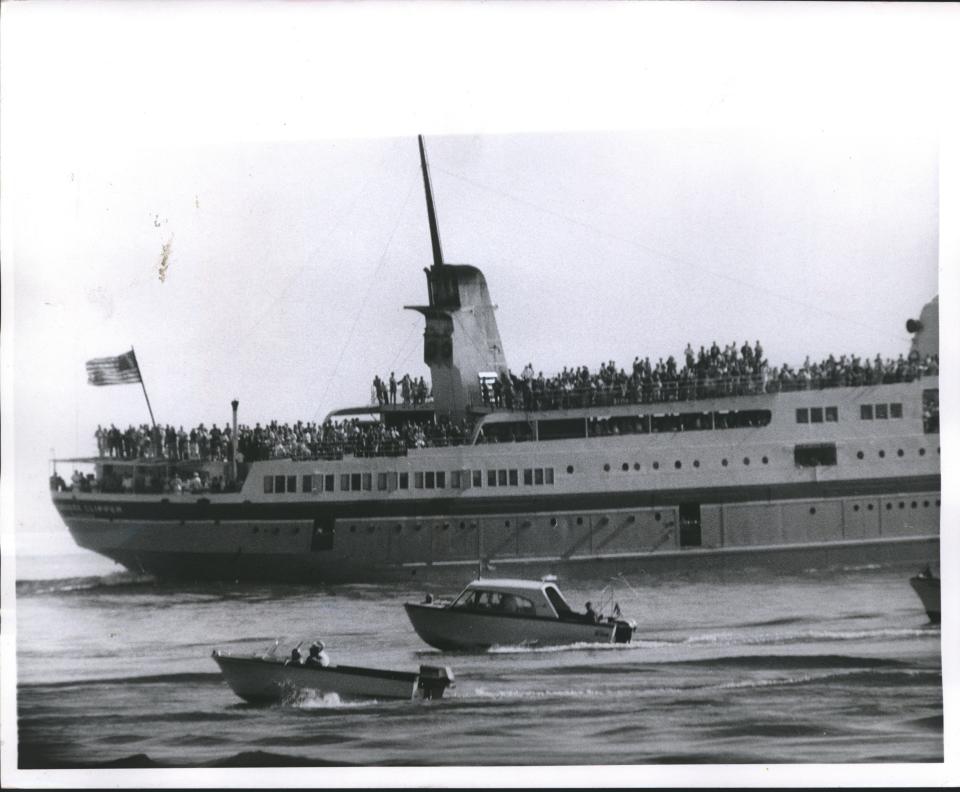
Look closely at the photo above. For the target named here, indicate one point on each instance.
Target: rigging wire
(669, 256)
(363, 302)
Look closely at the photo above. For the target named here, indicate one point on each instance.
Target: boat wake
(115, 581)
(580, 646)
(810, 636)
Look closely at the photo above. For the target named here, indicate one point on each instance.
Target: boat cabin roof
(509, 584)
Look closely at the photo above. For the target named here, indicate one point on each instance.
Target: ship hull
(286, 550)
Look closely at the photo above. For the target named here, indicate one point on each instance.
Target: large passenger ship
(714, 474)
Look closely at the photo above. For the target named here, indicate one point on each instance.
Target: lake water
(836, 665)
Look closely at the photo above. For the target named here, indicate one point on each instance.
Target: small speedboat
(267, 679)
(927, 586)
(501, 612)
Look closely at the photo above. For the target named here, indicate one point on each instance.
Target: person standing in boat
(317, 658)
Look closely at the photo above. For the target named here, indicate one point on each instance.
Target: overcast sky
(622, 198)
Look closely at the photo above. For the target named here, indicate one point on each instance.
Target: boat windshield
(557, 600)
(496, 601)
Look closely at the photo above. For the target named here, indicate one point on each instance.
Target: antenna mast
(431, 214)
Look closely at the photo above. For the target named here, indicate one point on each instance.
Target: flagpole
(140, 373)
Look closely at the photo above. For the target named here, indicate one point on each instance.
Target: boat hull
(928, 589)
(268, 680)
(456, 629)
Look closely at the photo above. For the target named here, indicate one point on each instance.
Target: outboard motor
(434, 680)
(624, 631)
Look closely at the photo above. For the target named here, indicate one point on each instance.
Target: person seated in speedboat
(318, 658)
(591, 614)
(295, 657)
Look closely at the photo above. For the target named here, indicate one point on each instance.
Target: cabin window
(430, 479)
(815, 454)
(880, 412)
(491, 478)
(367, 481)
(441, 479)
(562, 429)
(404, 481)
(896, 410)
(279, 484)
(308, 483)
(816, 415)
(291, 483)
(345, 482)
(830, 413)
(391, 481)
(355, 481)
(328, 482)
(548, 473)
(866, 412)
(803, 415)
(513, 477)
(268, 485)
(502, 478)
(381, 481)
(477, 478)
(455, 479)
(528, 477)
(538, 476)
(557, 600)
(418, 479)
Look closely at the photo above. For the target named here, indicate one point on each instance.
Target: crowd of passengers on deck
(275, 440)
(412, 391)
(710, 373)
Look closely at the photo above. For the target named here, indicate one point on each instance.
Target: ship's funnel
(461, 338)
(926, 330)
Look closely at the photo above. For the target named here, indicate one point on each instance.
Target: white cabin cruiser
(266, 679)
(506, 612)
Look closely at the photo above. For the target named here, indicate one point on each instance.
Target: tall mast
(431, 214)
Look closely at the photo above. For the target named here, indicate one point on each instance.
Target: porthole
(859, 454)
(677, 464)
(397, 529)
(463, 525)
(606, 468)
(856, 507)
(256, 529)
(882, 454)
(938, 503)
(417, 527)
(913, 504)
(899, 452)
(813, 510)
(579, 520)
(553, 522)
(353, 529)
(746, 460)
(636, 466)
(445, 527)
(922, 451)
(656, 516)
(625, 466)
(656, 466)
(724, 462)
(765, 460)
(569, 468)
(902, 504)
(926, 504)
(696, 463)
(869, 507)
(506, 523)
(889, 506)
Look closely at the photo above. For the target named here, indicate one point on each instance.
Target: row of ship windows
(554, 522)
(421, 479)
(867, 413)
(881, 411)
(820, 453)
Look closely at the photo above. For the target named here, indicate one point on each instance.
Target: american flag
(118, 370)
